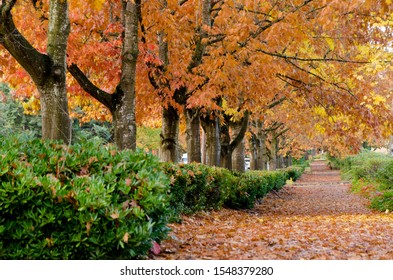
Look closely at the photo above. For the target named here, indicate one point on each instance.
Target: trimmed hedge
(89, 201)
(79, 202)
(196, 187)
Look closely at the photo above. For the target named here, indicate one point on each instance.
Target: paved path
(315, 218)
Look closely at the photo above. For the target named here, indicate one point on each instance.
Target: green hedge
(294, 172)
(196, 187)
(372, 175)
(79, 202)
(89, 201)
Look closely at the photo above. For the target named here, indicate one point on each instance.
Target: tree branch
(100, 95)
(276, 103)
(269, 22)
(35, 63)
(320, 59)
(282, 132)
(240, 136)
(182, 2)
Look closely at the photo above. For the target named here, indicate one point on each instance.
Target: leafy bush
(251, 186)
(383, 201)
(371, 175)
(83, 201)
(294, 172)
(196, 187)
(12, 117)
(384, 174)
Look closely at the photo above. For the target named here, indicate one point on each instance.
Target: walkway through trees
(314, 218)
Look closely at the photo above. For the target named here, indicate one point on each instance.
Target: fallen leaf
(156, 249)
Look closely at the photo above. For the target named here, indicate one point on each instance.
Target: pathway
(314, 218)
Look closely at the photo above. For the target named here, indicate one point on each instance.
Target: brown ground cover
(315, 218)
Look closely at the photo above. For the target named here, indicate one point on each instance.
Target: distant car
(184, 158)
(247, 163)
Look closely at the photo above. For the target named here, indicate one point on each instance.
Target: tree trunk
(124, 114)
(193, 136)
(203, 147)
(192, 115)
(230, 142)
(239, 148)
(169, 135)
(390, 146)
(253, 143)
(213, 147)
(273, 150)
(47, 71)
(261, 148)
(238, 153)
(225, 141)
(56, 124)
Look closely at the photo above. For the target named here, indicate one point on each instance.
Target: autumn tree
(47, 69)
(121, 103)
(223, 63)
(173, 76)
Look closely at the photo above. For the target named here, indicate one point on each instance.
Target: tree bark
(169, 151)
(211, 126)
(262, 158)
(238, 154)
(203, 146)
(253, 143)
(230, 142)
(225, 141)
(124, 114)
(193, 135)
(273, 151)
(48, 72)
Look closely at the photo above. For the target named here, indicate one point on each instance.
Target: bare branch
(305, 59)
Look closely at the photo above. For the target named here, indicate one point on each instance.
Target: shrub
(196, 187)
(294, 172)
(83, 201)
(383, 201)
(251, 186)
(12, 117)
(384, 174)
(254, 185)
(371, 176)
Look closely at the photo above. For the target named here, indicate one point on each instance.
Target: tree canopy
(308, 73)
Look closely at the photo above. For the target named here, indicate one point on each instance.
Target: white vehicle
(247, 163)
(184, 158)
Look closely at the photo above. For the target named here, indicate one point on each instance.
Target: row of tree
(286, 75)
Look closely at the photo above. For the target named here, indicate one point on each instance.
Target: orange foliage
(307, 52)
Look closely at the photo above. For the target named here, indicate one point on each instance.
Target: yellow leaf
(97, 4)
(330, 42)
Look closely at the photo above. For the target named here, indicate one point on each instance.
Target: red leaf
(156, 249)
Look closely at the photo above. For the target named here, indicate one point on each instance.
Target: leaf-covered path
(315, 218)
